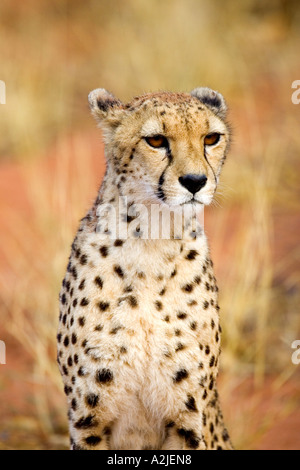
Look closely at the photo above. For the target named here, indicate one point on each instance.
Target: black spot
(83, 260)
(68, 390)
(123, 350)
(74, 404)
(86, 423)
(173, 273)
(118, 242)
(207, 350)
(197, 280)
(75, 301)
(190, 437)
(132, 301)
(188, 288)
(66, 341)
(158, 305)
(212, 323)
(104, 376)
(70, 361)
(84, 302)
(225, 435)
(167, 318)
(75, 358)
(128, 218)
(181, 315)
(59, 337)
(103, 306)
(98, 281)
(92, 400)
(119, 271)
(128, 289)
(179, 347)
(81, 372)
(163, 291)
(192, 255)
(205, 305)
(115, 330)
(74, 272)
(81, 321)
(180, 375)
(81, 285)
(98, 327)
(211, 428)
(74, 338)
(104, 251)
(63, 299)
(191, 403)
(193, 325)
(212, 361)
(92, 440)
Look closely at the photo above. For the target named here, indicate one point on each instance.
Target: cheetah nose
(193, 183)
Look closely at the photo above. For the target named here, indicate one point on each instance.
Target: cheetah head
(165, 148)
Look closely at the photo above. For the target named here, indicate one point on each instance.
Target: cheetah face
(171, 145)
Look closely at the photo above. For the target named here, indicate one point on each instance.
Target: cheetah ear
(212, 99)
(105, 106)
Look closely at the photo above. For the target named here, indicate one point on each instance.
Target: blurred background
(52, 53)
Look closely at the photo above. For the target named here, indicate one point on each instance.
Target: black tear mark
(205, 156)
(160, 192)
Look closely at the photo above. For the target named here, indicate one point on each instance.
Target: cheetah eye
(157, 141)
(212, 139)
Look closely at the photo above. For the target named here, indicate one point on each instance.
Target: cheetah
(139, 331)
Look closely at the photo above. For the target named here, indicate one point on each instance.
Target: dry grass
(52, 55)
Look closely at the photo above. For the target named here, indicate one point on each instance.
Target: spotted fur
(139, 332)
